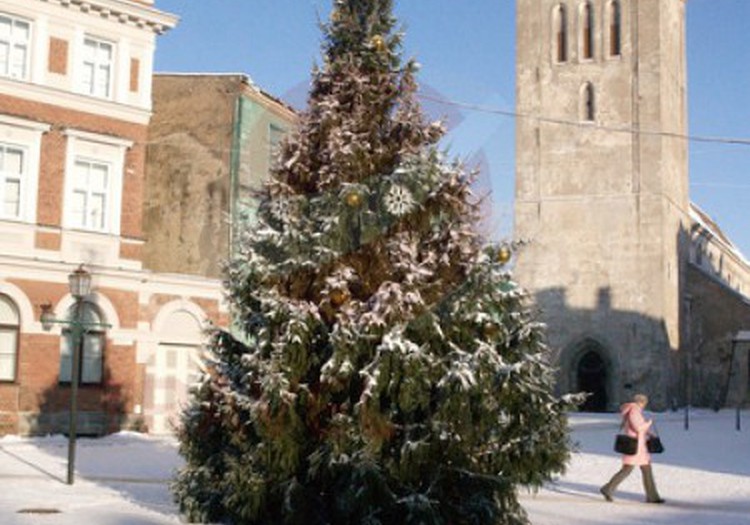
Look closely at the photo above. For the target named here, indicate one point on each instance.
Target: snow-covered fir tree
(386, 370)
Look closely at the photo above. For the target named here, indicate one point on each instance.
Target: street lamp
(79, 283)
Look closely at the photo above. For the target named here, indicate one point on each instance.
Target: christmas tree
(385, 368)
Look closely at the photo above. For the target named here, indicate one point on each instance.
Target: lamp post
(79, 283)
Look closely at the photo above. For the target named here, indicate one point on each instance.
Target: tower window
(615, 28)
(560, 24)
(587, 33)
(588, 103)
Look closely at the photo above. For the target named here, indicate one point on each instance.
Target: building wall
(603, 202)
(64, 137)
(208, 150)
(188, 179)
(132, 303)
(715, 255)
(715, 365)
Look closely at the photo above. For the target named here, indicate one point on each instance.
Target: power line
(587, 125)
(721, 185)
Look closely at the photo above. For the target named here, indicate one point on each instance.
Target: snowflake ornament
(399, 201)
(281, 209)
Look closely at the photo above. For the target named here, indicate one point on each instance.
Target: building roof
(702, 219)
(244, 78)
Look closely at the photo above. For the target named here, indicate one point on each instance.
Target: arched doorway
(172, 370)
(591, 377)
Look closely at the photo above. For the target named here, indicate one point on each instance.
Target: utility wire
(586, 125)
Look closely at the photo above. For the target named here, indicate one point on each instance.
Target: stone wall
(715, 366)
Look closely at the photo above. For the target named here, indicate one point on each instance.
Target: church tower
(602, 188)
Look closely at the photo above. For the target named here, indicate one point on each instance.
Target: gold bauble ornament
(378, 43)
(489, 329)
(504, 254)
(338, 297)
(353, 200)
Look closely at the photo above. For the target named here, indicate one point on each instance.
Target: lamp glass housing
(47, 317)
(79, 282)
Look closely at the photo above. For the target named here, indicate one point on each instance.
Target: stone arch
(164, 325)
(24, 306)
(588, 366)
(10, 321)
(101, 301)
(174, 363)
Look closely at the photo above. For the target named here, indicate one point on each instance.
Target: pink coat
(636, 426)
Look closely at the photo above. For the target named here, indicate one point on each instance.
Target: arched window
(615, 28)
(560, 25)
(9, 327)
(91, 344)
(587, 31)
(588, 102)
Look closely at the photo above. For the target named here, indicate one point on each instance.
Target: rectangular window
(96, 69)
(91, 358)
(588, 31)
(275, 134)
(8, 344)
(12, 171)
(15, 37)
(88, 208)
(615, 29)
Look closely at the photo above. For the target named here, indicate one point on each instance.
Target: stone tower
(602, 188)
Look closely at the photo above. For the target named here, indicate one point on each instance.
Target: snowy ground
(704, 475)
(122, 479)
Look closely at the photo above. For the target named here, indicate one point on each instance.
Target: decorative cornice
(74, 101)
(98, 137)
(124, 11)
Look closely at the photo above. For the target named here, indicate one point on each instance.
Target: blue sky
(467, 48)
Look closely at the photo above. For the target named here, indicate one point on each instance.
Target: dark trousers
(648, 481)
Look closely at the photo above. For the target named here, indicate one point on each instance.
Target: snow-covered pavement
(704, 475)
(122, 479)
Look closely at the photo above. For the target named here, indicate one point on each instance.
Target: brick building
(75, 104)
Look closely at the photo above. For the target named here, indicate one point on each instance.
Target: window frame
(560, 34)
(6, 176)
(587, 31)
(89, 87)
(614, 29)
(275, 137)
(6, 69)
(588, 103)
(89, 192)
(14, 328)
(25, 135)
(101, 149)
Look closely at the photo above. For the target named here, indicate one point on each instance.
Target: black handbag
(653, 443)
(625, 444)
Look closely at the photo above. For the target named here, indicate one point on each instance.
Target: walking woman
(636, 426)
